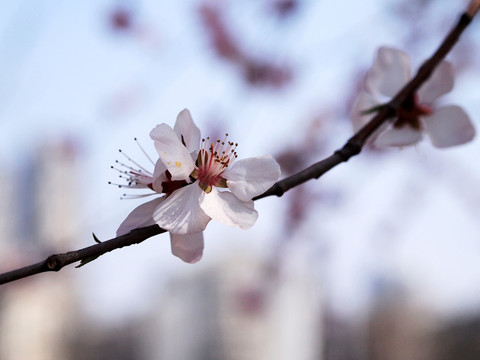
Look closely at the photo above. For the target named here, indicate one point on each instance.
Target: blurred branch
(352, 147)
(473, 8)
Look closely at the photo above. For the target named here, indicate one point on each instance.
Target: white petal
(250, 177)
(228, 209)
(364, 101)
(159, 176)
(399, 137)
(449, 126)
(188, 247)
(180, 213)
(389, 73)
(440, 83)
(186, 129)
(172, 152)
(139, 217)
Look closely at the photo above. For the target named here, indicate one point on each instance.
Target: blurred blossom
(255, 71)
(251, 300)
(222, 41)
(446, 126)
(258, 73)
(124, 19)
(285, 7)
(121, 19)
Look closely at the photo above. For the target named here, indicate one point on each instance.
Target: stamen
(137, 196)
(144, 152)
(213, 158)
(133, 161)
(131, 169)
(134, 175)
(117, 185)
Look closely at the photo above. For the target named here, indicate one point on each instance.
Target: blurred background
(378, 259)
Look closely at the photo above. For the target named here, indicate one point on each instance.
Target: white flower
(446, 126)
(195, 177)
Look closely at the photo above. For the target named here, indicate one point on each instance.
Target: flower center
(212, 160)
(410, 112)
(169, 186)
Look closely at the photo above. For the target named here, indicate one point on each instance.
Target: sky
(409, 216)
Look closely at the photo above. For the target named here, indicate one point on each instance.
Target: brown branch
(58, 261)
(355, 144)
(352, 147)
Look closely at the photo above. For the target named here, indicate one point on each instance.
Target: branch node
(280, 190)
(348, 150)
(53, 263)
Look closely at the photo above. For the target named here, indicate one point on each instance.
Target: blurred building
(36, 313)
(8, 206)
(398, 330)
(239, 309)
(459, 339)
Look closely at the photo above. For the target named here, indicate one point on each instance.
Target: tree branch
(57, 261)
(355, 144)
(352, 147)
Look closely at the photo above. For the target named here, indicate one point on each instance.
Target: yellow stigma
(178, 164)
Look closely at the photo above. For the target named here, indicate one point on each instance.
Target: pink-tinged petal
(389, 73)
(180, 213)
(228, 209)
(139, 217)
(172, 152)
(440, 82)
(159, 176)
(250, 177)
(449, 126)
(188, 247)
(399, 137)
(364, 101)
(188, 131)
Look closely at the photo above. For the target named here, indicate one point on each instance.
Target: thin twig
(352, 147)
